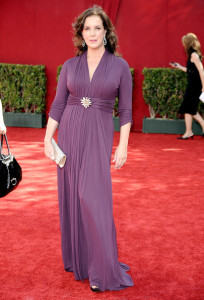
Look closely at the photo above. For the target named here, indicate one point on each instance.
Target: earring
(104, 41)
(83, 44)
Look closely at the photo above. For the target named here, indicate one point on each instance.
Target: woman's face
(93, 32)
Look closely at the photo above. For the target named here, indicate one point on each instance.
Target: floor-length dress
(193, 90)
(89, 246)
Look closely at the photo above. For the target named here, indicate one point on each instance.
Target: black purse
(10, 170)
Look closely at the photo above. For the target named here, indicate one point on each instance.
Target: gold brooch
(86, 102)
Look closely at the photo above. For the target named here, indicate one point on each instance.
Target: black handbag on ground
(10, 170)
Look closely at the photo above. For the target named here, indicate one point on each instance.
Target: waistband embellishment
(86, 102)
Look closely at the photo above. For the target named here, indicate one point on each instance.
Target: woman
(83, 106)
(2, 125)
(195, 85)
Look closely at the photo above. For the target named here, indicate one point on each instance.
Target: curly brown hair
(78, 26)
(191, 44)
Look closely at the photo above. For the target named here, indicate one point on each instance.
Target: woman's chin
(94, 46)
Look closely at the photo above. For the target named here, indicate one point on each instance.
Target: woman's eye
(87, 28)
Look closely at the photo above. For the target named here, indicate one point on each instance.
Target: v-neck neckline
(87, 66)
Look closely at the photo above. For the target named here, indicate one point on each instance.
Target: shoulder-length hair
(191, 44)
(78, 26)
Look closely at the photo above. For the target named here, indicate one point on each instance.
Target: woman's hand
(178, 66)
(175, 65)
(2, 128)
(49, 149)
(2, 125)
(120, 156)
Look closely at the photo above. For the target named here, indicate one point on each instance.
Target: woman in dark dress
(195, 76)
(83, 106)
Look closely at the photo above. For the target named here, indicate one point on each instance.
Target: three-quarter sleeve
(62, 93)
(125, 96)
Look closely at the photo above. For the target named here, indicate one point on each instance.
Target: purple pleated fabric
(89, 246)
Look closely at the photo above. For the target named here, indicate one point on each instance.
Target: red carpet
(158, 209)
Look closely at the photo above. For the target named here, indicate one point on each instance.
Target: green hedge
(22, 88)
(163, 91)
(115, 112)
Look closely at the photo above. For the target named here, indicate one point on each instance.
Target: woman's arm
(121, 151)
(196, 60)
(178, 66)
(56, 111)
(51, 128)
(125, 113)
(2, 125)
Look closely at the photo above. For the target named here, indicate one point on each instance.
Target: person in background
(87, 88)
(2, 125)
(195, 78)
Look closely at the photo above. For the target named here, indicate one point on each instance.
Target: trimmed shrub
(163, 91)
(58, 71)
(22, 88)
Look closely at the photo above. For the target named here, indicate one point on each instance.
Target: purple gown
(89, 246)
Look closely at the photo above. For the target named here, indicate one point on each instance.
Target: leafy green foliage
(58, 71)
(22, 88)
(163, 91)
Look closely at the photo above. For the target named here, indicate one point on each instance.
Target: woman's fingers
(49, 151)
(120, 157)
(119, 163)
(52, 153)
(2, 129)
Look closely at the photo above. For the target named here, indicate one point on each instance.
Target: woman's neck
(95, 53)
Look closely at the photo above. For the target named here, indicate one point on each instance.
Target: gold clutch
(60, 157)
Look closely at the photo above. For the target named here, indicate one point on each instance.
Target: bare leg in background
(200, 120)
(188, 123)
